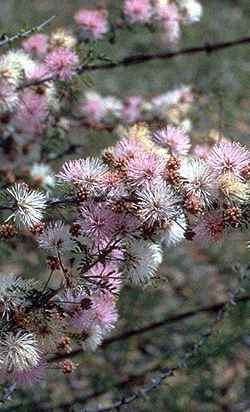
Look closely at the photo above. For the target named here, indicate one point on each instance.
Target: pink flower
(88, 173)
(93, 107)
(210, 228)
(127, 148)
(105, 311)
(138, 11)
(97, 221)
(93, 22)
(170, 19)
(145, 168)
(132, 109)
(167, 12)
(37, 44)
(39, 72)
(102, 313)
(31, 116)
(105, 276)
(62, 63)
(173, 138)
(227, 157)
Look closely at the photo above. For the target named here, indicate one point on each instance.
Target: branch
(24, 34)
(139, 59)
(166, 372)
(155, 325)
(143, 58)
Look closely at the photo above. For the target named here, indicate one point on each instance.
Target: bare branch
(215, 308)
(143, 58)
(23, 34)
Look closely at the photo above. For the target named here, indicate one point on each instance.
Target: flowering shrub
(154, 188)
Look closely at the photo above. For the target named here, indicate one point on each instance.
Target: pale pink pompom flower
(145, 168)
(62, 63)
(105, 277)
(93, 107)
(37, 45)
(97, 221)
(169, 16)
(105, 311)
(88, 173)
(38, 73)
(138, 11)
(227, 157)
(93, 22)
(174, 139)
(31, 116)
(127, 148)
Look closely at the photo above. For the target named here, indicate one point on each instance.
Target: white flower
(56, 237)
(192, 9)
(29, 205)
(112, 106)
(93, 339)
(157, 204)
(18, 352)
(186, 125)
(87, 172)
(175, 231)
(15, 64)
(43, 174)
(199, 180)
(142, 259)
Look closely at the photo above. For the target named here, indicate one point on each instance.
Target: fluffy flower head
(29, 205)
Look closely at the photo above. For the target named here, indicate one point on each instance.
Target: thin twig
(23, 34)
(155, 325)
(143, 58)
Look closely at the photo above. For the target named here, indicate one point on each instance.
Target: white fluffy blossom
(192, 9)
(56, 237)
(88, 173)
(157, 204)
(29, 205)
(18, 352)
(175, 231)
(93, 339)
(199, 180)
(14, 65)
(142, 259)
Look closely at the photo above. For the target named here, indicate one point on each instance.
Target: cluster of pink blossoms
(26, 113)
(172, 107)
(169, 16)
(146, 193)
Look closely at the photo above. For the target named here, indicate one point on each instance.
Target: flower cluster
(172, 106)
(146, 193)
(167, 16)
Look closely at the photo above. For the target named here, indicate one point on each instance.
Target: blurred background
(219, 380)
